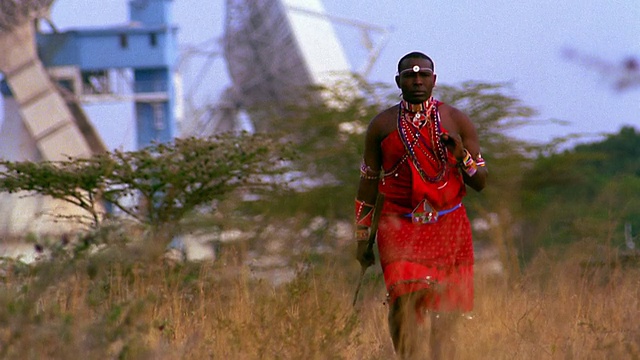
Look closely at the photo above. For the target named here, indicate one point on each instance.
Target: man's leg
(405, 326)
(443, 333)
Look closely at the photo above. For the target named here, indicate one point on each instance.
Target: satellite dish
(274, 54)
(275, 50)
(45, 127)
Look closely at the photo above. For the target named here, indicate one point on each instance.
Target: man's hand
(453, 142)
(365, 254)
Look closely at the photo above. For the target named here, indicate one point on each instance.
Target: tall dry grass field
(121, 304)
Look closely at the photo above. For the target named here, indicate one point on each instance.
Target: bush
(157, 185)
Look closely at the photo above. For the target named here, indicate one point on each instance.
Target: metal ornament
(424, 213)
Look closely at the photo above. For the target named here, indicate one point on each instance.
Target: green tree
(585, 193)
(158, 185)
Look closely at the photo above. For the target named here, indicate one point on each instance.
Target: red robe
(436, 256)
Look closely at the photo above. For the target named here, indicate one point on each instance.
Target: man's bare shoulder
(450, 110)
(385, 115)
(454, 119)
(454, 114)
(385, 122)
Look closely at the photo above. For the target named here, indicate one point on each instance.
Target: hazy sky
(517, 42)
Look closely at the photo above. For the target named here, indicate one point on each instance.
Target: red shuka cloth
(417, 256)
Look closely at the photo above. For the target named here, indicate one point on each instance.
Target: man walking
(421, 154)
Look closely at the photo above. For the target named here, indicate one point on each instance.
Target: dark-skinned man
(421, 154)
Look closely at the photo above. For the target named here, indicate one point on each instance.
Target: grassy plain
(579, 303)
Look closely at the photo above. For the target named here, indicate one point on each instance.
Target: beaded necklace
(409, 130)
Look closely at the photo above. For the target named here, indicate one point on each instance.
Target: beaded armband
(364, 217)
(367, 173)
(468, 165)
(364, 213)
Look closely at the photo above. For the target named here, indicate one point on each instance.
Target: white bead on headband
(416, 69)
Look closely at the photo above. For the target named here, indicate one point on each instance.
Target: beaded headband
(416, 69)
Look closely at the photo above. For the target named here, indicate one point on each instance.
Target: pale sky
(518, 42)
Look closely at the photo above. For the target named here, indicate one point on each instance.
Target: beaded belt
(427, 215)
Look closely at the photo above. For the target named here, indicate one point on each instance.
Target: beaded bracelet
(362, 233)
(468, 165)
(467, 160)
(480, 161)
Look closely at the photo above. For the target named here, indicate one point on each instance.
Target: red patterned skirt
(436, 257)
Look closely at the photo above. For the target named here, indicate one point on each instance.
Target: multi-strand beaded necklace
(425, 114)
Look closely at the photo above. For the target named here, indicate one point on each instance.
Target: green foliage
(616, 154)
(75, 181)
(173, 179)
(157, 185)
(588, 192)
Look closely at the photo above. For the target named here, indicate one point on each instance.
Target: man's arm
(371, 164)
(466, 138)
(370, 172)
(471, 142)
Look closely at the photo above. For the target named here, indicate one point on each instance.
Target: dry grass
(562, 308)
(122, 305)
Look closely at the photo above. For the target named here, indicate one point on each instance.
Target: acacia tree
(157, 185)
(76, 181)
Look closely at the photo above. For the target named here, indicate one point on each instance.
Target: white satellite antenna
(274, 51)
(45, 127)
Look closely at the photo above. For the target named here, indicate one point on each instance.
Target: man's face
(416, 80)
